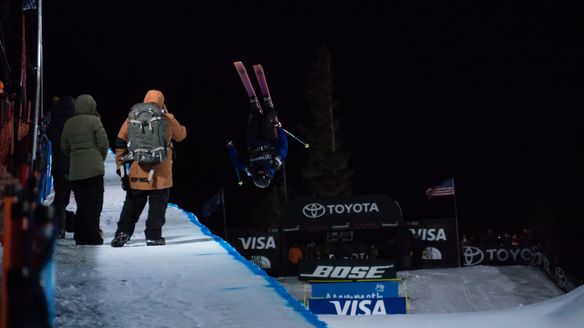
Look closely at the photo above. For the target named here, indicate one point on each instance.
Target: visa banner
(356, 290)
(382, 306)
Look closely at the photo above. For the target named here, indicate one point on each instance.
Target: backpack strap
(150, 175)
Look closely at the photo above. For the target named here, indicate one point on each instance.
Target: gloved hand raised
(228, 143)
(277, 162)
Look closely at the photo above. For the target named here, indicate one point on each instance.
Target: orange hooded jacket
(162, 178)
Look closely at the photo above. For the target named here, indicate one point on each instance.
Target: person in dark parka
(85, 141)
(405, 243)
(61, 111)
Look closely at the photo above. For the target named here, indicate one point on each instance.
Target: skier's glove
(228, 143)
(277, 162)
(126, 182)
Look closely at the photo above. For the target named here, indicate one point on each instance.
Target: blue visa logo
(383, 306)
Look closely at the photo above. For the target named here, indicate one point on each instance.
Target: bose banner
(382, 306)
(355, 212)
(347, 270)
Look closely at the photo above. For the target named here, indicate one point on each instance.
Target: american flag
(446, 188)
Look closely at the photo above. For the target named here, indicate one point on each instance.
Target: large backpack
(147, 134)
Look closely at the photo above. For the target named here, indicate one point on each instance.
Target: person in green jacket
(85, 142)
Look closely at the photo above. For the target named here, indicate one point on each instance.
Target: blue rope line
(291, 301)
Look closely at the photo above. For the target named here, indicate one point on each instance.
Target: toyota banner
(354, 212)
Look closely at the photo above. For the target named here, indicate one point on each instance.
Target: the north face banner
(355, 212)
(438, 241)
(347, 270)
(261, 247)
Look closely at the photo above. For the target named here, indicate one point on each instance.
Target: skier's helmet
(262, 178)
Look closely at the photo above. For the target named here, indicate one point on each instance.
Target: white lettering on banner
(474, 255)
(373, 295)
(430, 234)
(344, 272)
(316, 210)
(351, 307)
(258, 242)
(536, 258)
(352, 208)
(358, 255)
(353, 256)
(504, 255)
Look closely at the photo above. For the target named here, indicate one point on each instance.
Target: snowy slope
(197, 280)
(193, 281)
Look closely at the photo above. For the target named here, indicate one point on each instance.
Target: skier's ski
(259, 72)
(261, 77)
(246, 81)
(263, 83)
(266, 97)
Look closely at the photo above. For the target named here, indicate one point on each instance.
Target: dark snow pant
(89, 197)
(133, 207)
(62, 188)
(260, 127)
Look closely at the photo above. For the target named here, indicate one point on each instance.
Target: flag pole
(456, 225)
(223, 210)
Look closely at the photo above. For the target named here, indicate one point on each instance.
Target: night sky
(427, 90)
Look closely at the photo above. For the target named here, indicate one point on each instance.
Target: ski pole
(239, 182)
(297, 139)
(229, 144)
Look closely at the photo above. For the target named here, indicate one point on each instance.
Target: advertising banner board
(261, 247)
(381, 306)
(438, 242)
(352, 212)
(347, 270)
(356, 290)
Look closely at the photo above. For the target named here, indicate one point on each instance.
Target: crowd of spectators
(504, 239)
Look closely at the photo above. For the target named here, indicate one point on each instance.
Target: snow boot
(156, 242)
(120, 239)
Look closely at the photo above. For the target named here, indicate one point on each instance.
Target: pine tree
(272, 203)
(327, 173)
